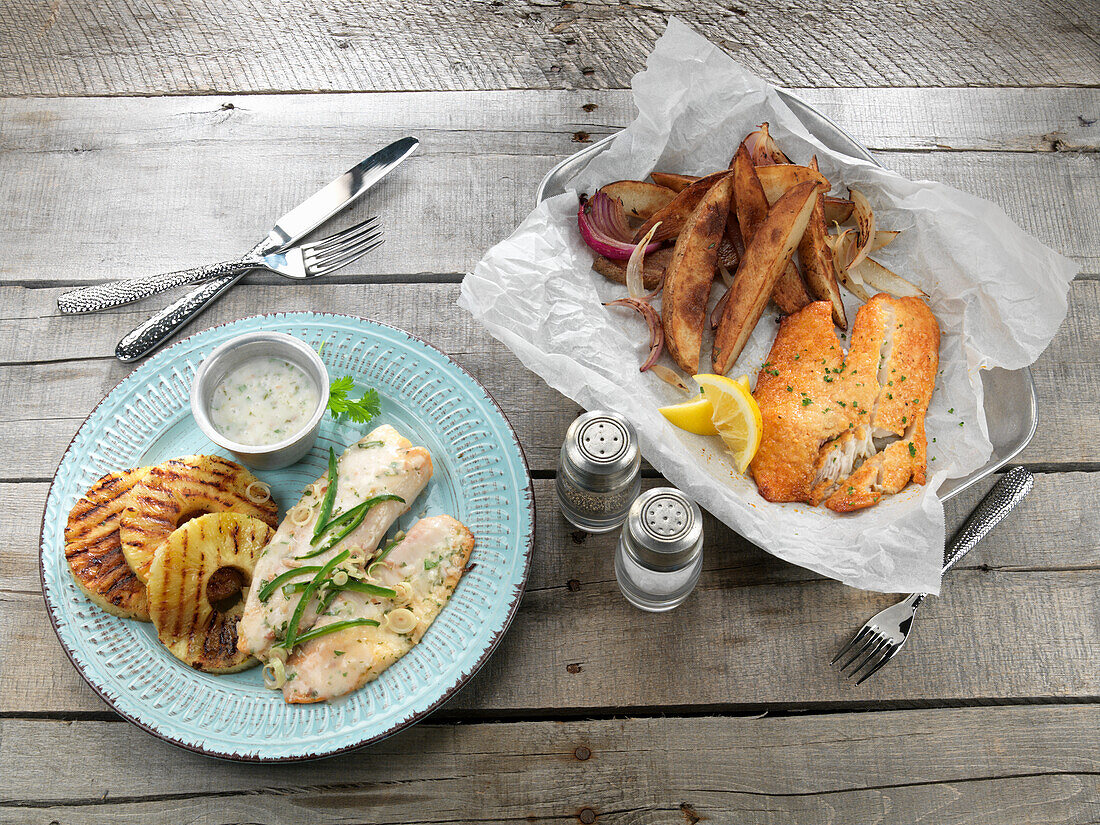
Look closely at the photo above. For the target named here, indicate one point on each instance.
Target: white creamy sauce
(263, 401)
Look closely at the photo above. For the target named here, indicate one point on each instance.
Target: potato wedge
(639, 199)
(790, 294)
(677, 183)
(675, 214)
(816, 257)
(837, 210)
(690, 274)
(766, 256)
(876, 276)
(785, 176)
(652, 269)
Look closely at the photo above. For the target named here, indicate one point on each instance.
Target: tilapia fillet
(429, 562)
(383, 462)
(847, 429)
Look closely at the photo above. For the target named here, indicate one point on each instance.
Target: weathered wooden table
(137, 136)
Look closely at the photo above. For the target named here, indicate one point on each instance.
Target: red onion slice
(652, 320)
(603, 226)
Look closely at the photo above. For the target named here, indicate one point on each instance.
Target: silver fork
(309, 260)
(878, 641)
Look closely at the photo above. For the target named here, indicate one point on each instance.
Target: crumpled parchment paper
(999, 296)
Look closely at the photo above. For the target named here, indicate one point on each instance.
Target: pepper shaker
(598, 471)
(660, 552)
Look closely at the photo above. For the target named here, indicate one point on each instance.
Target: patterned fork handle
(1006, 494)
(126, 291)
(998, 503)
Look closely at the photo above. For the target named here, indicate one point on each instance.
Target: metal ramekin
(235, 352)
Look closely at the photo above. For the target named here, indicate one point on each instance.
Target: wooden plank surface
(988, 765)
(194, 46)
(68, 360)
(113, 188)
(763, 630)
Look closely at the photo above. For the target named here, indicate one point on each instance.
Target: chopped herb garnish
(912, 449)
(431, 564)
(807, 402)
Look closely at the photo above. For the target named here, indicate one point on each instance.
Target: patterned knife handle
(150, 335)
(126, 291)
(1006, 494)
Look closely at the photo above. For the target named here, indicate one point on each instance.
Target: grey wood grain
(761, 630)
(68, 361)
(119, 47)
(991, 765)
(110, 188)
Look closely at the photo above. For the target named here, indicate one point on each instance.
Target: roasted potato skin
(673, 216)
(639, 199)
(817, 262)
(690, 274)
(789, 294)
(766, 256)
(653, 269)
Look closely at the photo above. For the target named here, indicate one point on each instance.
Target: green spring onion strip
(326, 600)
(307, 596)
(310, 635)
(330, 496)
(272, 586)
(366, 445)
(356, 515)
(370, 589)
(356, 586)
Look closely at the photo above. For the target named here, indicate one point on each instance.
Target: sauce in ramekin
(263, 401)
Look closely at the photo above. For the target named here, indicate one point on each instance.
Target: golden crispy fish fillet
(823, 410)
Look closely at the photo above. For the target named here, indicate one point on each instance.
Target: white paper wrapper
(999, 296)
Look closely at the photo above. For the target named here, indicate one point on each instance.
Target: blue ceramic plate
(480, 478)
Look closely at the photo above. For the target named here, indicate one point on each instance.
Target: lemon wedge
(693, 416)
(735, 416)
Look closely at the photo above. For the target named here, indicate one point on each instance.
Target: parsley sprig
(340, 403)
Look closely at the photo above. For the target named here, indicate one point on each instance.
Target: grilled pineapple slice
(198, 582)
(181, 489)
(93, 547)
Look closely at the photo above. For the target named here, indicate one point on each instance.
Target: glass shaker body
(598, 471)
(660, 552)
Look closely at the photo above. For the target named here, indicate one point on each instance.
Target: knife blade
(295, 224)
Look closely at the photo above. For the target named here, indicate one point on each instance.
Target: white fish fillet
(382, 462)
(430, 559)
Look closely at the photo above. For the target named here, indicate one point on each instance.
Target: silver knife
(292, 226)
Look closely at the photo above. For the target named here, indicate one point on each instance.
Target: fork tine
(338, 237)
(345, 255)
(359, 253)
(872, 640)
(886, 657)
(872, 656)
(863, 631)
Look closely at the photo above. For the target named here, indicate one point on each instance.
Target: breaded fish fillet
(823, 409)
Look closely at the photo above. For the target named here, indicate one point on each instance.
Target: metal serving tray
(1011, 411)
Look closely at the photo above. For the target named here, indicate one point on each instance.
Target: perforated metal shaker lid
(664, 526)
(603, 444)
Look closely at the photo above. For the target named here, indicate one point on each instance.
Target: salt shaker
(660, 552)
(598, 471)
